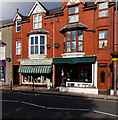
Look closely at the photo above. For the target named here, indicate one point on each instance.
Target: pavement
(55, 91)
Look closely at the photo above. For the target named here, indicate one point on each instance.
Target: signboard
(115, 59)
(36, 62)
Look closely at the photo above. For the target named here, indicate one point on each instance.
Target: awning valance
(74, 60)
(35, 69)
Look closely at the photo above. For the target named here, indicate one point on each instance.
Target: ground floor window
(2, 74)
(36, 78)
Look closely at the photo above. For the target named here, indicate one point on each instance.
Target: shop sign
(115, 59)
(36, 62)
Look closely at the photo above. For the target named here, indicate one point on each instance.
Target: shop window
(103, 35)
(103, 9)
(73, 14)
(37, 45)
(18, 47)
(2, 74)
(18, 26)
(37, 21)
(102, 77)
(73, 41)
(85, 76)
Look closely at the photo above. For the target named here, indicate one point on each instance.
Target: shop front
(76, 74)
(2, 70)
(36, 72)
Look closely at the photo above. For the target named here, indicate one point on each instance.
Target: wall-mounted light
(48, 46)
(56, 45)
(8, 59)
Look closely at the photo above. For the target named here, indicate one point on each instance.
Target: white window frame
(18, 26)
(74, 16)
(37, 21)
(101, 5)
(2, 52)
(0, 34)
(18, 48)
(38, 55)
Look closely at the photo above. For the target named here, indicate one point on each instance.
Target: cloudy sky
(8, 7)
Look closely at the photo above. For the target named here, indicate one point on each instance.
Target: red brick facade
(53, 23)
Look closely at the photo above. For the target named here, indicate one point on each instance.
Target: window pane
(39, 17)
(18, 52)
(35, 17)
(73, 35)
(35, 25)
(103, 13)
(42, 49)
(68, 35)
(36, 40)
(103, 34)
(18, 44)
(74, 46)
(73, 18)
(103, 5)
(42, 40)
(0, 34)
(18, 28)
(32, 40)
(73, 10)
(18, 22)
(39, 24)
(80, 35)
(32, 49)
(68, 47)
(36, 49)
(80, 46)
(102, 43)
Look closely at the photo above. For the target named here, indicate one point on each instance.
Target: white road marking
(104, 113)
(54, 108)
(10, 101)
(33, 104)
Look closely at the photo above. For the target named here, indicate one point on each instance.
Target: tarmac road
(29, 106)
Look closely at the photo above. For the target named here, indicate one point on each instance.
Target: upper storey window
(103, 36)
(18, 26)
(0, 35)
(103, 9)
(73, 14)
(37, 21)
(73, 41)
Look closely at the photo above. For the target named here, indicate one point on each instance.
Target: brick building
(68, 47)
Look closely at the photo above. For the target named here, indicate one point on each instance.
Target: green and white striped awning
(35, 69)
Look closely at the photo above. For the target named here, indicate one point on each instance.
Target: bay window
(37, 45)
(103, 35)
(73, 41)
(37, 21)
(73, 14)
(103, 9)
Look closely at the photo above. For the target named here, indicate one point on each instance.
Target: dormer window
(73, 14)
(37, 21)
(18, 26)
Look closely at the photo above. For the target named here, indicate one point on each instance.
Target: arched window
(102, 77)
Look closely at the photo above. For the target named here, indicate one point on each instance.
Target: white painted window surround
(2, 52)
(37, 46)
(0, 35)
(18, 47)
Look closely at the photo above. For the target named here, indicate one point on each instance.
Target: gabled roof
(21, 17)
(40, 5)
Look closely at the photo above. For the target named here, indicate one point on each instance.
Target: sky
(8, 7)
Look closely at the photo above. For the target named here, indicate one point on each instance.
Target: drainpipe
(115, 50)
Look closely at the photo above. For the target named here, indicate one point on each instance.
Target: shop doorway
(15, 75)
(102, 78)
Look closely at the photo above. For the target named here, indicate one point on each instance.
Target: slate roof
(5, 23)
(73, 26)
(38, 31)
